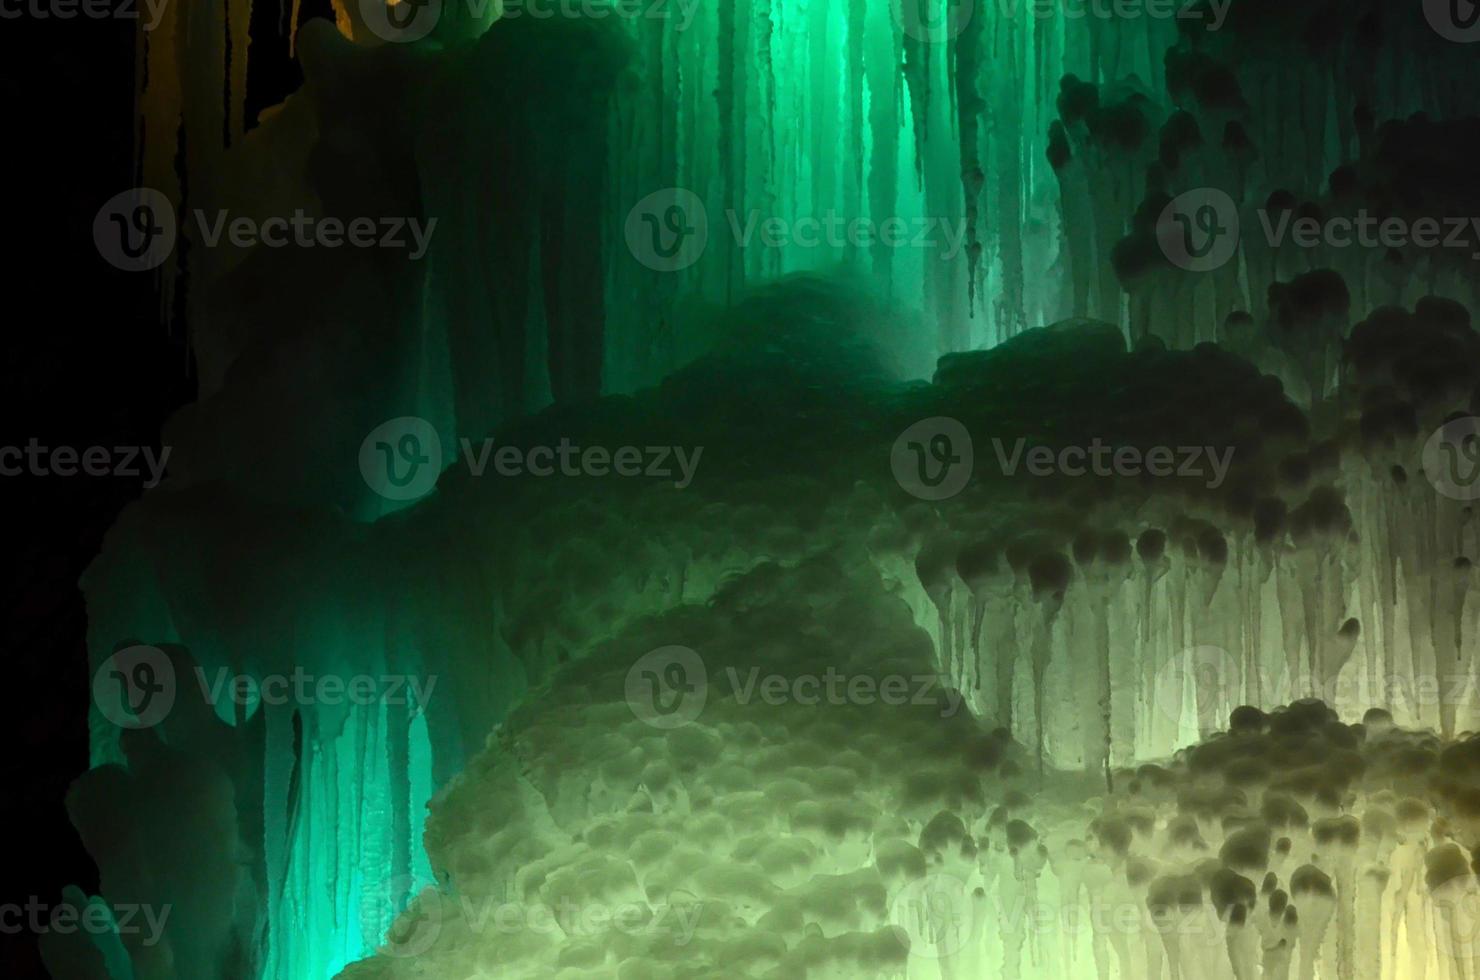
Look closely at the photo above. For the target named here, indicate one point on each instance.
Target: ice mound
(738, 819)
(1100, 616)
(813, 765)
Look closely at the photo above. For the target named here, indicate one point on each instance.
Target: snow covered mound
(778, 784)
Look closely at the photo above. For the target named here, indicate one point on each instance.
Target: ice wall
(1098, 621)
(1040, 140)
(733, 834)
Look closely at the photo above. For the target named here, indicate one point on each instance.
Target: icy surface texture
(1100, 620)
(916, 110)
(748, 835)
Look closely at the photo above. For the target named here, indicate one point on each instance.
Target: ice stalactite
(767, 109)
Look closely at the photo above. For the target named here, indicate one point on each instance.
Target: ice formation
(1101, 784)
(835, 839)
